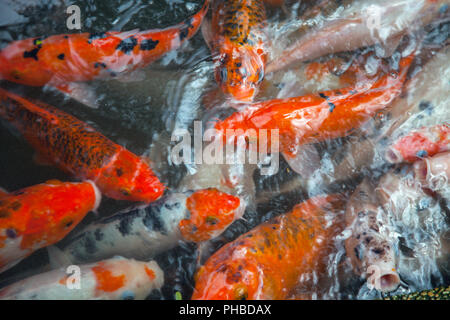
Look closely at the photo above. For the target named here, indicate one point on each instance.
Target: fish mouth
(389, 282)
(386, 280)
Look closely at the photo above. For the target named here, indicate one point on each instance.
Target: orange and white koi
(421, 143)
(268, 261)
(364, 23)
(113, 279)
(239, 46)
(145, 232)
(62, 60)
(41, 215)
(79, 150)
(316, 117)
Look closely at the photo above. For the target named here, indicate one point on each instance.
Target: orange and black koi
(61, 59)
(268, 261)
(316, 117)
(41, 215)
(238, 45)
(79, 150)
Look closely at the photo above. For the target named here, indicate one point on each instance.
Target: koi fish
(62, 60)
(268, 261)
(364, 23)
(145, 232)
(370, 247)
(420, 143)
(41, 215)
(112, 279)
(424, 104)
(79, 150)
(239, 46)
(434, 172)
(317, 117)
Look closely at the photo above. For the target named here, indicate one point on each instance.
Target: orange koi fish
(79, 150)
(316, 117)
(268, 261)
(60, 60)
(421, 143)
(145, 232)
(41, 215)
(112, 279)
(238, 44)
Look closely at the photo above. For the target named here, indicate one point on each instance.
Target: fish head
(210, 212)
(130, 178)
(230, 280)
(239, 71)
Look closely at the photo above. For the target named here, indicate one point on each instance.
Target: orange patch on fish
(150, 273)
(106, 281)
(211, 211)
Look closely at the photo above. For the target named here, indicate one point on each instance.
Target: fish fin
(57, 258)
(305, 162)
(134, 76)
(207, 33)
(80, 92)
(387, 48)
(41, 160)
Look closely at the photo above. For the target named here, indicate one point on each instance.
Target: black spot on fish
(98, 234)
(66, 37)
(422, 154)
(184, 32)
(124, 226)
(378, 250)
(99, 64)
(426, 105)
(119, 172)
(322, 95)
(89, 244)
(332, 106)
(148, 44)
(127, 45)
(32, 53)
(152, 219)
(61, 56)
